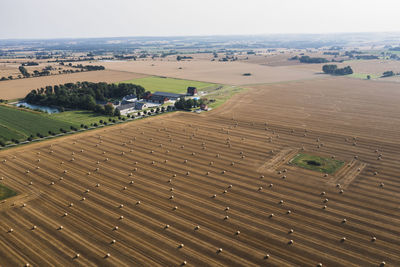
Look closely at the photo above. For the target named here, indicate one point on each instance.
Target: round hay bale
(291, 231)
(181, 245)
(197, 227)
(60, 227)
(34, 227)
(184, 262)
(323, 193)
(138, 202)
(373, 239)
(227, 208)
(175, 208)
(343, 239)
(113, 241)
(65, 214)
(225, 191)
(260, 188)
(344, 220)
(281, 201)
(219, 250)
(324, 207)
(108, 255)
(341, 191)
(226, 217)
(71, 204)
(289, 212)
(271, 215)
(115, 228)
(266, 256)
(237, 232)
(121, 217)
(166, 226)
(291, 242)
(214, 196)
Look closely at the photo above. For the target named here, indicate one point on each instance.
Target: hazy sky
(103, 18)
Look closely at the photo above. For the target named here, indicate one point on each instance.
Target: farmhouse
(126, 108)
(158, 99)
(140, 105)
(130, 98)
(170, 96)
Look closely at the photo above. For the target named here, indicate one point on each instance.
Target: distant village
(130, 103)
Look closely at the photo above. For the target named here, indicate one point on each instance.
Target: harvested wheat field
(215, 72)
(21, 87)
(216, 189)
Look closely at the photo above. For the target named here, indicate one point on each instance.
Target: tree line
(334, 70)
(83, 95)
(187, 104)
(312, 60)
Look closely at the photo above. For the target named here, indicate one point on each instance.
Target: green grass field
(78, 117)
(171, 85)
(221, 95)
(20, 124)
(6, 192)
(363, 75)
(316, 163)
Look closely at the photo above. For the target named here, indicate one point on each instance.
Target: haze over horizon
(25, 19)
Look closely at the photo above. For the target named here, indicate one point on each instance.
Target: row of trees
(89, 67)
(83, 95)
(187, 104)
(24, 72)
(334, 70)
(312, 60)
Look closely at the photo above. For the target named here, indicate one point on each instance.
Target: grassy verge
(221, 94)
(316, 163)
(6, 192)
(170, 85)
(20, 124)
(363, 76)
(78, 117)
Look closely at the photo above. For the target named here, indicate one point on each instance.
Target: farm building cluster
(130, 103)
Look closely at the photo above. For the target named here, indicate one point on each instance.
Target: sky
(27, 19)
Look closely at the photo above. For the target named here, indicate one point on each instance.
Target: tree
(108, 109)
(333, 69)
(388, 73)
(24, 72)
(117, 112)
(368, 77)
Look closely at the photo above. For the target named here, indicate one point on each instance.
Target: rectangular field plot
(316, 163)
(6, 192)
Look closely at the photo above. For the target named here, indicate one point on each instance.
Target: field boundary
(278, 160)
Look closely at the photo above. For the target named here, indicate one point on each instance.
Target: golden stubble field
(217, 72)
(21, 87)
(215, 188)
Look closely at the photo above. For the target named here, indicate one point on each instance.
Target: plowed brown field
(212, 165)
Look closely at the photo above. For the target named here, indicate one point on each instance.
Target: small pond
(42, 108)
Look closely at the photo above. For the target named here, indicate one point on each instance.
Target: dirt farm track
(216, 189)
